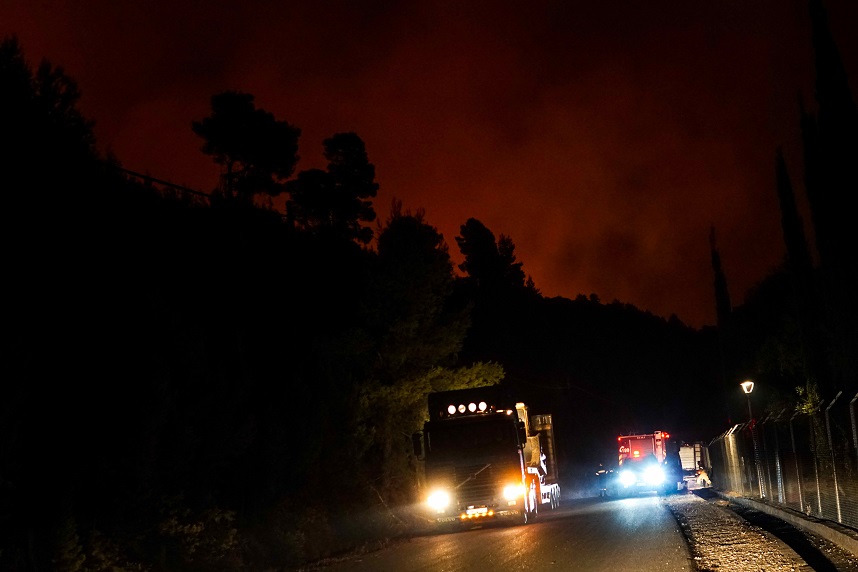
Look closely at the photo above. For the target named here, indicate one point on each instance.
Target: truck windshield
(479, 435)
(631, 463)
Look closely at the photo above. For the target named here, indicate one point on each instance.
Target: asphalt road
(591, 535)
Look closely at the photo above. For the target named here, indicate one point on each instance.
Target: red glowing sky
(605, 138)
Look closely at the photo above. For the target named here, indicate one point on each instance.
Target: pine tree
(491, 264)
(336, 201)
(257, 151)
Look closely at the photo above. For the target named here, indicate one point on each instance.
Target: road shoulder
(719, 539)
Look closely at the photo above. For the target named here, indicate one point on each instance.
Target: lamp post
(748, 387)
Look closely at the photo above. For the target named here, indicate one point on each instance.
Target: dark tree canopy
(490, 263)
(310, 197)
(44, 135)
(512, 271)
(353, 175)
(339, 199)
(258, 151)
(414, 283)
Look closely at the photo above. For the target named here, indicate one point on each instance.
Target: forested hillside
(196, 381)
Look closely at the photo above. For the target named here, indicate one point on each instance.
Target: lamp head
(747, 386)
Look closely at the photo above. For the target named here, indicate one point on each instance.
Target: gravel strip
(720, 540)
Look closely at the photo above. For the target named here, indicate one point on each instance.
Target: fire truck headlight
(654, 475)
(439, 500)
(627, 478)
(512, 492)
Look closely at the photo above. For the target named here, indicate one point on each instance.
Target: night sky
(605, 138)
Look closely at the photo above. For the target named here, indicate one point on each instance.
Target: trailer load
(695, 464)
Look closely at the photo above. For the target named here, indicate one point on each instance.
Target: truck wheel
(530, 516)
(524, 517)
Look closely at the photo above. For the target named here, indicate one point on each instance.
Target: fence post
(833, 460)
(779, 474)
(766, 457)
(852, 418)
(814, 449)
(753, 427)
(797, 464)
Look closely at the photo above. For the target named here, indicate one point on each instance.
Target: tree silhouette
(337, 200)
(490, 264)
(830, 140)
(354, 182)
(258, 151)
(417, 335)
(207, 423)
(44, 138)
(799, 265)
(413, 282)
(310, 198)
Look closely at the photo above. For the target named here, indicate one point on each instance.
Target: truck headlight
(627, 478)
(439, 500)
(512, 492)
(654, 475)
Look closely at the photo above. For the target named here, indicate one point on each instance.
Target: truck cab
(484, 460)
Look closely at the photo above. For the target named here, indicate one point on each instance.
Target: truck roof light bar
(472, 408)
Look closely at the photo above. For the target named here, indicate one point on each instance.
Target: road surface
(590, 535)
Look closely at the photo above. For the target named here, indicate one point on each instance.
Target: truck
(646, 463)
(695, 464)
(486, 458)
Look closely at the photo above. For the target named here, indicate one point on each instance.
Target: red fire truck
(646, 463)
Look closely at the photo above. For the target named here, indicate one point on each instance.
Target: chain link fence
(806, 462)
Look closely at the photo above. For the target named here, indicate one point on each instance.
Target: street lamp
(748, 387)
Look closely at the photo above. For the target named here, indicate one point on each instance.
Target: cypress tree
(831, 184)
(799, 265)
